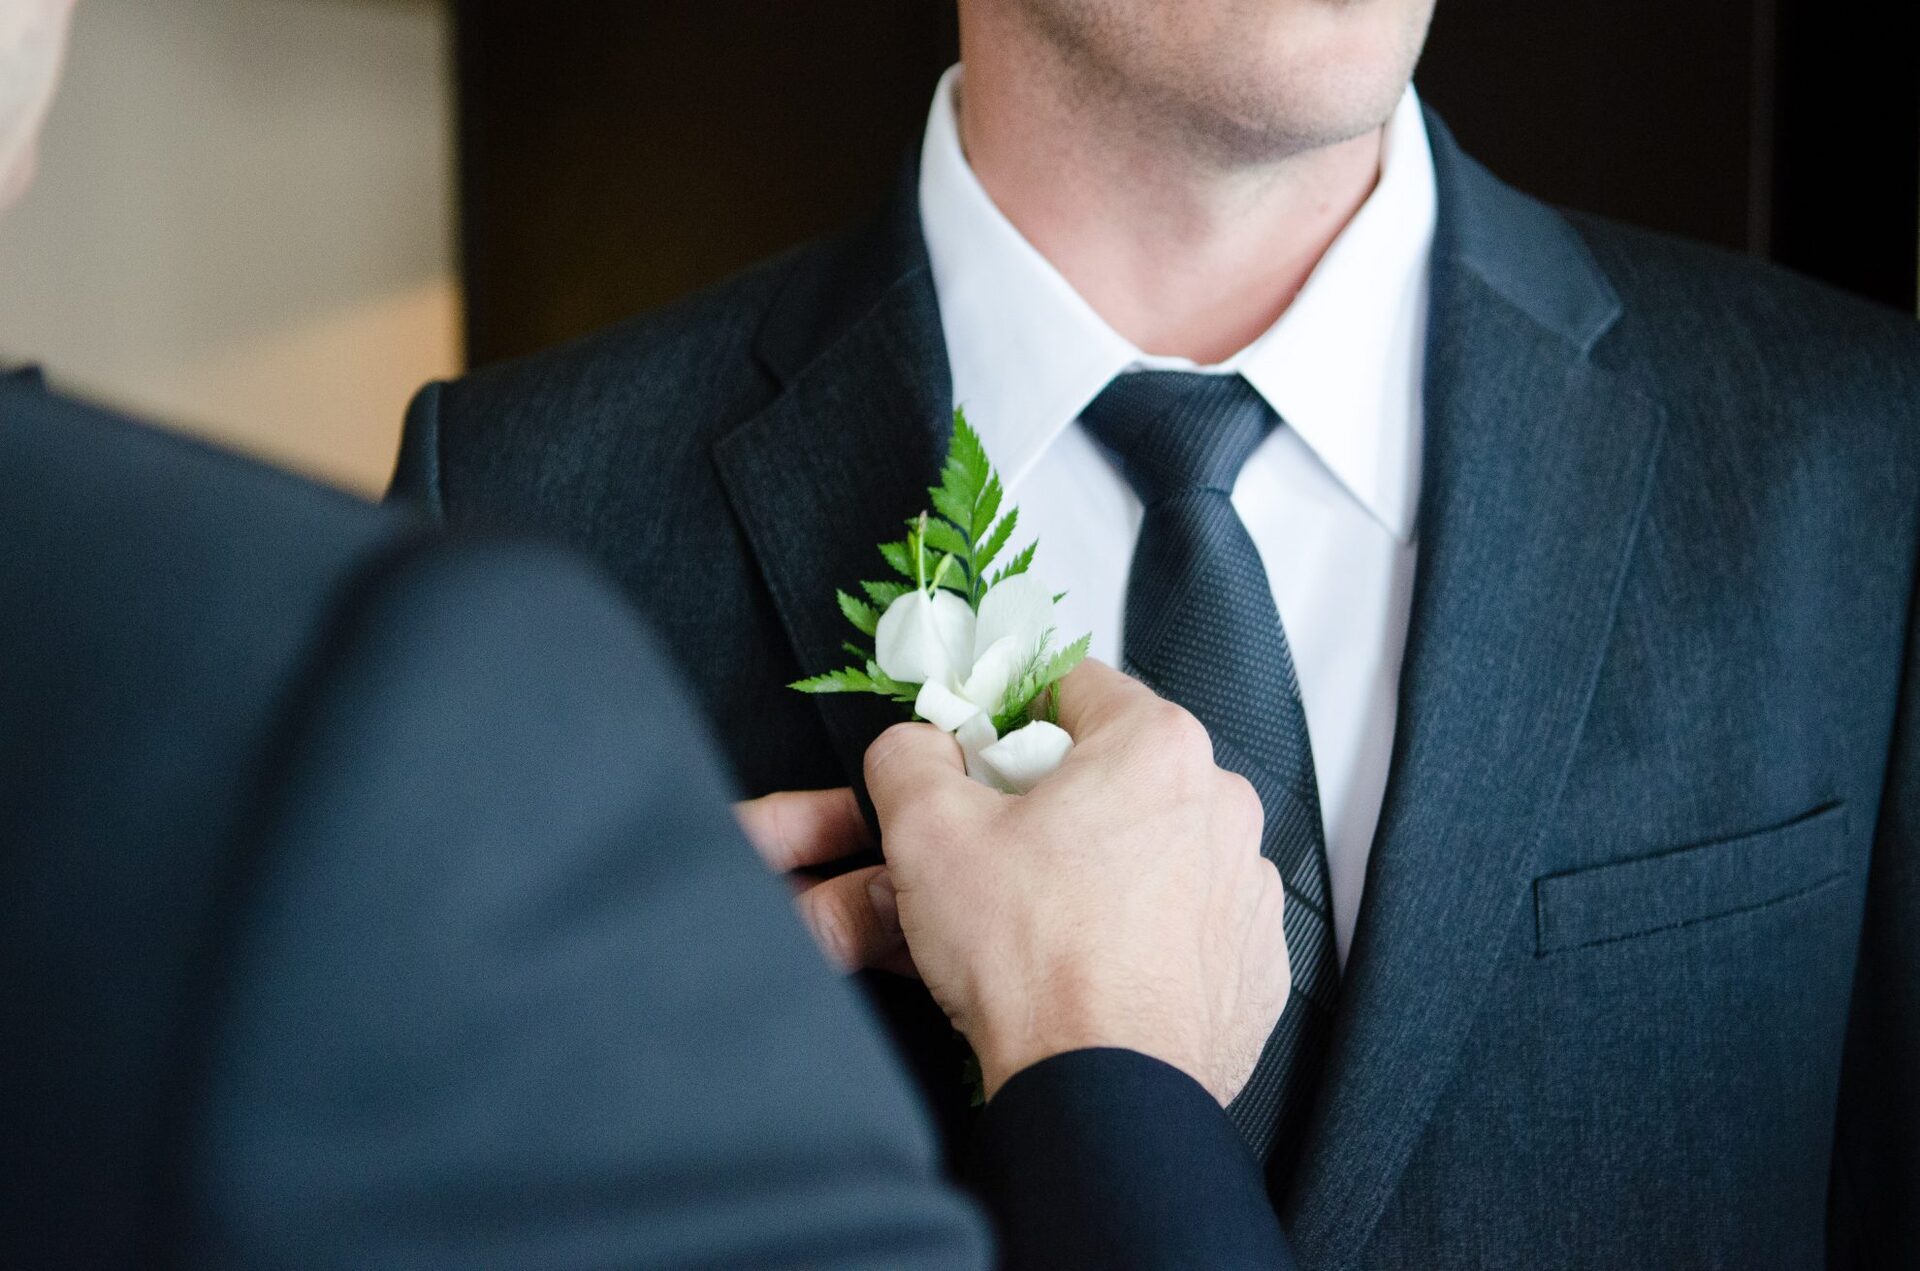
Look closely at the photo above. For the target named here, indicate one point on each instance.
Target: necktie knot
(1175, 432)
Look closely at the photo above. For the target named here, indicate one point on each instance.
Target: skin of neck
(1186, 246)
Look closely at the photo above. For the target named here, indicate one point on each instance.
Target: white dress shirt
(1329, 498)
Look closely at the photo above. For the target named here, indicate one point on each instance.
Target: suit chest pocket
(1693, 884)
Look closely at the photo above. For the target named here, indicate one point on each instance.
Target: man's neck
(1183, 251)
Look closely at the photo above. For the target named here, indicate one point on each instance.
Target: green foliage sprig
(952, 546)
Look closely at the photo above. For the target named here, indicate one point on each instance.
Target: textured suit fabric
(371, 902)
(1203, 630)
(1635, 977)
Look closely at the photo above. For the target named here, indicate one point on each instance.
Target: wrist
(1006, 1052)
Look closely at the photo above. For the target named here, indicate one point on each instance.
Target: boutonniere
(970, 647)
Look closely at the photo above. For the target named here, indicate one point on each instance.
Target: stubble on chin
(1223, 100)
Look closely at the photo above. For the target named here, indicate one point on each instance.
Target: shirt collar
(1343, 366)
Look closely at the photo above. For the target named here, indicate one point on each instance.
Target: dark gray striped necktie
(1203, 630)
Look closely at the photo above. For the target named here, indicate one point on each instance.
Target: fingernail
(886, 904)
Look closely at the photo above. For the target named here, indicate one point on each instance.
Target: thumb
(912, 763)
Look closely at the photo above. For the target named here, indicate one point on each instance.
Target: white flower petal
(1027, 756)
(944, 708)
(993, 673)
(975, 736)
(922, 638)
(1021, 608)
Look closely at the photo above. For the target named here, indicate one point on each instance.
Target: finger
(912, 762)
(797, 828)
(850, 929)
(886, 906)
(1095, 695)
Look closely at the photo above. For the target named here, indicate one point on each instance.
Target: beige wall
(243, 223)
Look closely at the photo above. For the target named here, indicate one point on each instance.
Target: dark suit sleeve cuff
(1108, 1158)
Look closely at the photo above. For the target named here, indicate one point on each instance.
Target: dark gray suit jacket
(369, 899)
(1636, 980)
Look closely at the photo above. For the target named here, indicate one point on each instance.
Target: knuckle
(1186, 735)
(1248, 813)
(1273, 894)
(1237, 792)
(1179, 723)
(1274, 886)
(887, 750)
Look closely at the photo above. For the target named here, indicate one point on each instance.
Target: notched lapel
(1539, 467)
(835, 466)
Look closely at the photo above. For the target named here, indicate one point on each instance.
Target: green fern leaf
(990, 548)
(951, 506)
(1064, 661)
(987, 508)
(899, 558)
(845, 680)
(1018, 565)
(884, 594)
(942, 537)
(967, 469)
(862, 615)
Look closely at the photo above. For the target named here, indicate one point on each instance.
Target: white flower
(1026, 756)
(965, 665)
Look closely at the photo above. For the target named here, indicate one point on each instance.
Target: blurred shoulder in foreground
(362, 907)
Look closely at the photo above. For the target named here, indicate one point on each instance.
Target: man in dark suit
(1584, 558)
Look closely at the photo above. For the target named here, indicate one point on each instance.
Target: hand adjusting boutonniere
(973, 653)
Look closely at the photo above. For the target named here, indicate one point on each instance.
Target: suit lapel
(1539, 464)
(845, 452)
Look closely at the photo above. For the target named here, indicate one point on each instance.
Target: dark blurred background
(616, 154)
